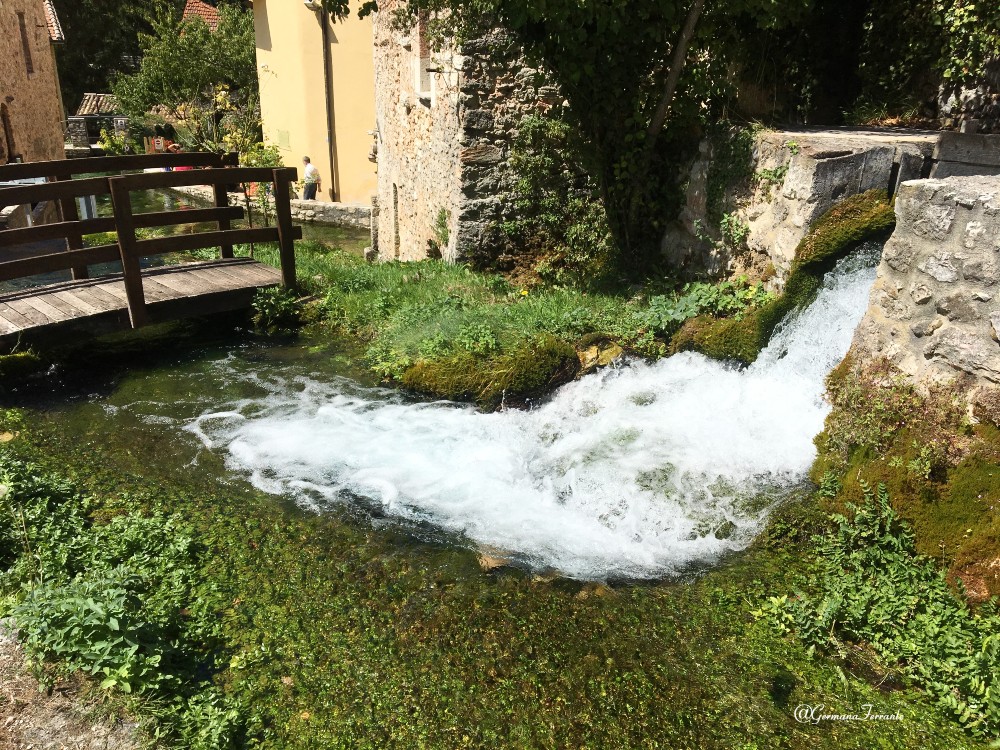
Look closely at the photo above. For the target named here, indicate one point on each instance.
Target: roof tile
(200, 9)
(52, 22)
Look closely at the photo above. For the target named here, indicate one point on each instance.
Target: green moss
(852, 221)
(943, 475)
(834, 235)
(17, 366)
(531, 369)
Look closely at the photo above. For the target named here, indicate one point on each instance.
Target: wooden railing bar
(221, 201)
(59, 230)
(181, 243)
(283, 178)
(66, 168)
(74, 239)
(187, 178)
(132, 272)
(47, 191)
(61, 261)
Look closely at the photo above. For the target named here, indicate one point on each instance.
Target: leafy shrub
(869, 586)
(122, 601)
(723, 300)
(557, 218)
(276, 308)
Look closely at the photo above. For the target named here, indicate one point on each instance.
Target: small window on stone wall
(423, 58)
(25, 44)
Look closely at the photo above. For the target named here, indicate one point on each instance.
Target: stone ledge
(308, 212)
(935, 306)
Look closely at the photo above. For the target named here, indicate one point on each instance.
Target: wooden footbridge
(134, 296)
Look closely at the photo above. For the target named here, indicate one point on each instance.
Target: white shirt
(312, 174)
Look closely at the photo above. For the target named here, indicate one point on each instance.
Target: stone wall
(445, 139)
(797, 176)
(498, 90)
(30, 105)
(974, 109)
(935, 306)
(419, 170)
(335, 214)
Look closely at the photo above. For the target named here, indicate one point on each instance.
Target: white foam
(636, 471)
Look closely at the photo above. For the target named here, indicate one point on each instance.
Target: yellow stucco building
(317, 92)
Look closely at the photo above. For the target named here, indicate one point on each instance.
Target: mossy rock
(17, 367)
(845, 226)
(511, 377)
(839, 231)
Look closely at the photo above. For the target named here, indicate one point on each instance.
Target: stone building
(31, 114)
(446, 121)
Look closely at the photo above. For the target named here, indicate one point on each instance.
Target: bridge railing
(129, 249)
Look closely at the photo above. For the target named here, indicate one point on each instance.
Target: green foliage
(103, 41)
(207, 80)
(871, 404)
(442, 233)
(276, 308)
(122, 601)
(971, 29)
(728, 299)
(731, 166)
(612, 62)
(734, 230)
(869, 587)
(557, 217)
(118, 143)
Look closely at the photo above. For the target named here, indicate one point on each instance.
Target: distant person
(175, 148)
(311, 180)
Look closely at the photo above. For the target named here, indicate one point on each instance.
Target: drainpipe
(324, 19)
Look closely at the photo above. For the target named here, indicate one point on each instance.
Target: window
(423, 58)
(8, 136)
(25, 44)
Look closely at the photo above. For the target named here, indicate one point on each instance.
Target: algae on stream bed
(336, 633)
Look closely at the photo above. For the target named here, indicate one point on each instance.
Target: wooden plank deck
(100, 305)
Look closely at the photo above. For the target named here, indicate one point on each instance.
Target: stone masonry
(447, 120)
(31, 115)
(798, 176)
(935, 307)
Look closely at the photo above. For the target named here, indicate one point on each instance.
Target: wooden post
(121, 199)
(222, 201)
(283, 179)
(74, 240)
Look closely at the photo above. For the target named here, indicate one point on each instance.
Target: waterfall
(637, 471)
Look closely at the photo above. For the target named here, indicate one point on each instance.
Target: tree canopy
(102, 42)
(183, 59)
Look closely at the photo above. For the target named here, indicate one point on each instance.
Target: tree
(639, 76)
(206, 80)
(102, 42)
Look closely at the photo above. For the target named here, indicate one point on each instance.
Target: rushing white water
(636, 471)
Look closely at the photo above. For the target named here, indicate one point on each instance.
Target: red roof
(52, 22)
(200, 9)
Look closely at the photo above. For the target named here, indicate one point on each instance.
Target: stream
(638, 471)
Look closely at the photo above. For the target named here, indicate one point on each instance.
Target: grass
(445, 330)
(337, 635)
